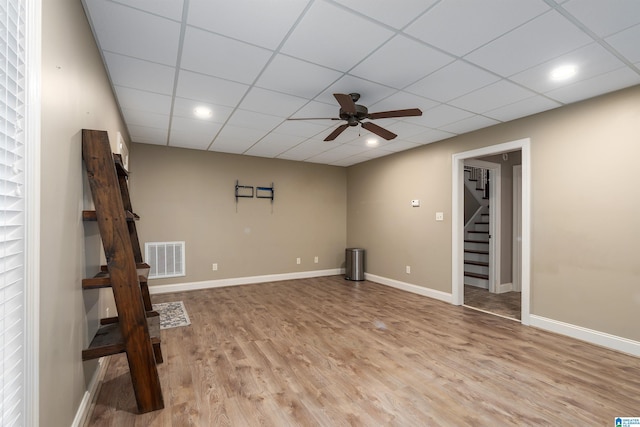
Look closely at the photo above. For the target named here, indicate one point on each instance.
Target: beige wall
(585, 269)
(188, 195)
(75, 95)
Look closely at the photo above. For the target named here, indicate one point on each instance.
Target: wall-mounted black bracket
(243, 191)
(265, 192)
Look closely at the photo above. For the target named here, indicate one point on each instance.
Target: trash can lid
(355, 249)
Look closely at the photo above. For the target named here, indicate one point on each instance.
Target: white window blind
(12, 215)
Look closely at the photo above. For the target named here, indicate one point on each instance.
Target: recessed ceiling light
(203, 112)
(563, 72)
(372, 142)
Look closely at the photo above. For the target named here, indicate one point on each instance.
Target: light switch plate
(415, 203)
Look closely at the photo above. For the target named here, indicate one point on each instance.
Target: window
(17, 301)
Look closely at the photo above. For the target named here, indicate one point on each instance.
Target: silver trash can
(354, 264)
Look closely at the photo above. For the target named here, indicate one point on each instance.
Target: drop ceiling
(467, 64)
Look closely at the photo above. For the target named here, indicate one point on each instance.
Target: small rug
(172, 314)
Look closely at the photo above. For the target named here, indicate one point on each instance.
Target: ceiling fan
(354, 114)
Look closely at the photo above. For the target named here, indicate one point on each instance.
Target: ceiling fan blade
(382, 132)
(395, 113)
(346, 103)
(337, 131)
(314, 118)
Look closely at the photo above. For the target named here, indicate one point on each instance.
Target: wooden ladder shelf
(136, 329)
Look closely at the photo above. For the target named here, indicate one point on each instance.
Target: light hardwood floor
(330, 352)
(506, 304)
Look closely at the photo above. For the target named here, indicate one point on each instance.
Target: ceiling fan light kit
(354, 114)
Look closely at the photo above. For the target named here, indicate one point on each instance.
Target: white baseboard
(237, 281)
(89, 395)
(504, 287)
(420, 290)
(589, 335)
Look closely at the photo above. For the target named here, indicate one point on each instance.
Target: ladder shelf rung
(93, 216)
(108, 340)
(103, 280)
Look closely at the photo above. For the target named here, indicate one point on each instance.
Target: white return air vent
(165, 258)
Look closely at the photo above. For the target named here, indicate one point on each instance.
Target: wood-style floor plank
(330, 352)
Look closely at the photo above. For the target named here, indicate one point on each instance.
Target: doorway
(458, 233)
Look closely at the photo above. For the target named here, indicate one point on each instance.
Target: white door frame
(457, 220)
(516, 269)
(495, 200)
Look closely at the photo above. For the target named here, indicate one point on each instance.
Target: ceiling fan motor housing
(353, 119)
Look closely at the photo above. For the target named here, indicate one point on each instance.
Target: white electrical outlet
(315, 260)
(298, 261)
(439, 216)
(408, 269)
(214, 266)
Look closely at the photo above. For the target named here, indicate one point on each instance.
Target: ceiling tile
(336, 154)
(429, 136)
(278, 104)
(254, 120)
(147, 135)
(139, 74)
(590, 60)
(605, 17)
(233, 139)
(627, 43)
(537, 41)
(131, 32)
(197, 127)
(491, 97)
(402, 101)
(135, 99)
(369, 92)
(305, 129)
(318, 109)
(218, 56)
(452, 81)
(404, 130)
(400, 62)
(389, 12)
(349, 161)
(145, 118)
(185, 139)
(185, 108)
(441, 115)
(169, 9)
(192, 133)
(264, 23)
(460, 26)
(522, 108)
(608, 82)
(307, 149)
(469, 124)
(331, 36)
(273, 144)
(394, 146)
(296, 77)
(209, 89)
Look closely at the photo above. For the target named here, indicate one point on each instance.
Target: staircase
(476, 230)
